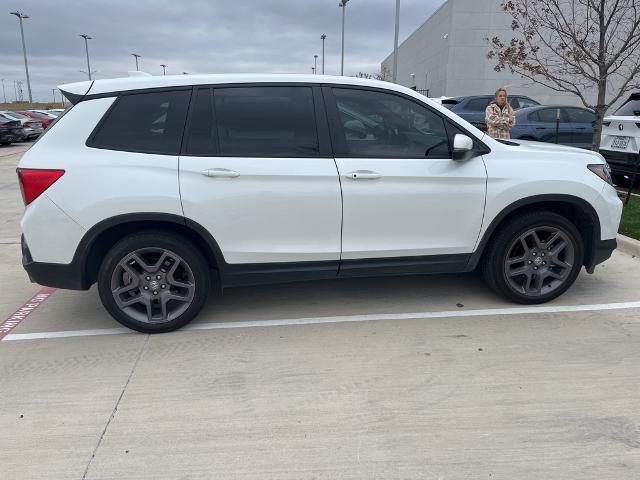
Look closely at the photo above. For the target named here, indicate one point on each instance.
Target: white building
(447, 55)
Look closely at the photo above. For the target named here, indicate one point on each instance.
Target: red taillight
(34, 182)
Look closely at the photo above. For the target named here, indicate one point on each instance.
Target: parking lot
(428, 377)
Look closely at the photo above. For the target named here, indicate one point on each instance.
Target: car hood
(541, 147)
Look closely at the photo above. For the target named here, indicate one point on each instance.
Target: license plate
(620, 143)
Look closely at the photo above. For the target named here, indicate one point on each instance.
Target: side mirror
(462, 147)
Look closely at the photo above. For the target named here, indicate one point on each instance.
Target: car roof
(114, 85)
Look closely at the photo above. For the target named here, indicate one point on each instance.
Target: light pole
(136, 57)
(313, 70)
(315, 64)
(185, 73)
(53, 90)
(86, 49)
(4, 94)
(164, 68)
(323, 37)
(21, 16)
(343, 5)
(395, 43)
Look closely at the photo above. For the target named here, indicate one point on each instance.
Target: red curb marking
(24, 311)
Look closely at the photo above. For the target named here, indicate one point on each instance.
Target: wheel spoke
(139, 298)
(519, 271)
(537, 240)
(172, 280)
(553, 238)
(558, 248)
(521, 259)
(539, 282)
(144, 265)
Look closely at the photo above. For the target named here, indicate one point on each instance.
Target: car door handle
(581, 128)
(220, 172)
(541, 128)
(363, 175)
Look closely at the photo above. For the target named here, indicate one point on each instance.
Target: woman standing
(499, 116)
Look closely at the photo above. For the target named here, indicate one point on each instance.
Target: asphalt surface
(397, 378)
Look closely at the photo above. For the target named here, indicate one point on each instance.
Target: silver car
(32, 127)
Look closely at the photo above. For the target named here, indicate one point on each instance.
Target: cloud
(197, 36)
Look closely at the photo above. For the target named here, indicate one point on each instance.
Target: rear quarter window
(629, 109)
(150, 122)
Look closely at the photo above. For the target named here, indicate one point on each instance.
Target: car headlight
(602, 170)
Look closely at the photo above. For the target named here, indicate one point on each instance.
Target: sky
(195, 36)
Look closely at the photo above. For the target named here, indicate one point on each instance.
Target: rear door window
(266, 121)
(579, 115)
(478, 104)
(144, 122)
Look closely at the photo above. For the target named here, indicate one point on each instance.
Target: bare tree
(574, 46)
(383, 75)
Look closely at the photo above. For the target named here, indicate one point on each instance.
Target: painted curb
(628, 245)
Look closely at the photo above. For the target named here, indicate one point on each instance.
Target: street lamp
(3, 92)
(21, 16)
(164, 68)
(343, 5)
(136, 57)
(313, 70)
(315, 64)
(86, 49)
(323, 37)
(185, 73)
(395, 43)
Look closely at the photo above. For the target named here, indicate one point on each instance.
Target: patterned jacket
(499, 121)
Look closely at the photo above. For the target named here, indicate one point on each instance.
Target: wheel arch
(577, 210)
(102, 236)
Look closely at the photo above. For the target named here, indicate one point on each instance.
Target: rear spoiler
(75, 92)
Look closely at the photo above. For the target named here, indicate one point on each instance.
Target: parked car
(46, 120)
(155, 188)
(472, 108)
(48, 113)
(32, 128)
(55, 111)
(620, 141)
(539, 123)
(10, 131)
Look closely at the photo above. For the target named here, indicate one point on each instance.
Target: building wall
(448, 55)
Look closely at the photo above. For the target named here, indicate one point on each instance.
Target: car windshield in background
(631, 108)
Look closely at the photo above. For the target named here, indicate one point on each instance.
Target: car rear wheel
(154, 282)
(534, 258)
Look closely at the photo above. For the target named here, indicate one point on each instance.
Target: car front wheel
(534, 258)
(154, 282)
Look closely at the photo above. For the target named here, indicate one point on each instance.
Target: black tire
(177, 300)
(498, 259)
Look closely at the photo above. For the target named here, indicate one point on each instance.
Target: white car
(620, 140)
(154, 186)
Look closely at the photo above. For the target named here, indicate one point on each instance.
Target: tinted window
(524, 102)
(201, 137)
(548, 115)
(629, 109)
(478, 104)
(379, 124)
(266, 121)
(145, 122)
(578, 115)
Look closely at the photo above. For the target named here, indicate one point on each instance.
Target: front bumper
(59, 275)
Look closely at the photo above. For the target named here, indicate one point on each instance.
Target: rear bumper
(59, 275)
(602, 250)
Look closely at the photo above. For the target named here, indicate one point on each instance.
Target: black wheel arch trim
(583, 205)
(84, 249)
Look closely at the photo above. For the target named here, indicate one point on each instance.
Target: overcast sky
(196, 36)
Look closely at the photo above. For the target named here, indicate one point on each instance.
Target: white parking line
(342, 319)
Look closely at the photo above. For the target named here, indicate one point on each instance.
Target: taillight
(33, 182)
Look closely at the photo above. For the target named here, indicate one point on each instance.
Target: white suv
(620, 143)
(155, 187)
